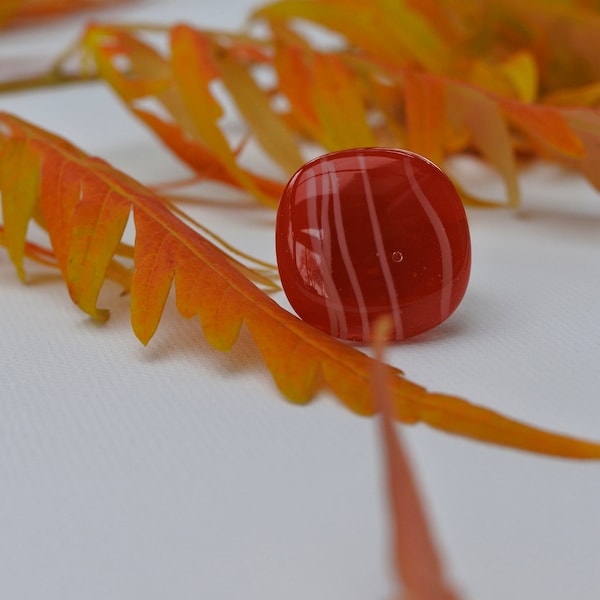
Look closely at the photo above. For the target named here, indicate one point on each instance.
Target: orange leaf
(545, 125)
(155, 255)
(482, 117)
(85, 203)
(193, 70)
(425, 115)
(360, 96)
(291, 63)
(324, 93)
(181, 88)
(586, 124)
(8, 9)
(191, 152)
(417, 561)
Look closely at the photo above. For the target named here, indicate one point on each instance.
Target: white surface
(174, 471)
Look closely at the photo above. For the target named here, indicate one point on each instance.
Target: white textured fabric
(177, 472)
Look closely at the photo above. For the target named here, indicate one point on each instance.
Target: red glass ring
(369, 232)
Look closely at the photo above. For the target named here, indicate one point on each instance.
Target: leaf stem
(51, 78)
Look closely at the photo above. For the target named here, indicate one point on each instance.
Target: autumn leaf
(19, 174)
(336, 99)
(546, 126)
(182, 88)
(484, 98)
(292, 64)
(255, 106)
(417, 561)
(425, 106)
(401, 30)
(478, 113)
(417, 75)
(85, 205)
(340, 104)
(8, 9)
(586, 124)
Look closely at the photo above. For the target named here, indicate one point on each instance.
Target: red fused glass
(369, 232)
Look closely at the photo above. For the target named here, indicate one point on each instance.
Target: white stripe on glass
(442, 236)
(383, 259)
(345, 251)
(321, 246)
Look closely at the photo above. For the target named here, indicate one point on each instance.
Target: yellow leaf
(520, 70)
(19, 170)
(516, 77)
(149, 74)
(339, 103)
(416, 34)
(269, 128)
(389, 30)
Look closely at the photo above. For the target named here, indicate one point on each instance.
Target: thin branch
(51, 78)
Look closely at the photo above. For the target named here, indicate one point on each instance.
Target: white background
(177, 472)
